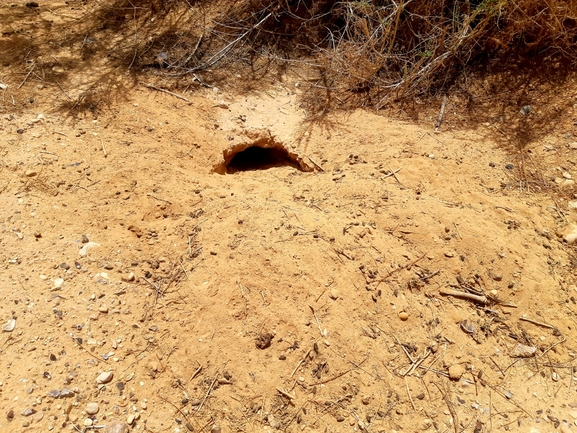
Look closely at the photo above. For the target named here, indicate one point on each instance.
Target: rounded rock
(571, 238)
(92, 408)
(116, 427)
(105, 377)
(128, 277)
(88, 422)
(403, 315)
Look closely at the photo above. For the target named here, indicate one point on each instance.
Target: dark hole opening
(259, 158)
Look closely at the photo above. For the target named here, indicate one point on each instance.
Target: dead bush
(371, 52)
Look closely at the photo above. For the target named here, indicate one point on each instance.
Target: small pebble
(103, 309)
(403, 315)
(28, 411)
(39, 416)
(143, 405)
(215, 429)
(116, 427)
(66, 392)
(9, 325)
(58, 282)
(523, 351)
(130, 419)
(87, 247)
(526, 109)
(31, 173)
(334, 294)
(92, 408)
(128, 277)
(87, 422)
(571, 237)
(104, 377)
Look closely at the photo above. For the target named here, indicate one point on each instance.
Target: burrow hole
(255, 157)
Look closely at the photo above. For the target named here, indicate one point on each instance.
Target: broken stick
(534, 322)
(442, 113)
(463, 295)
(160, 89)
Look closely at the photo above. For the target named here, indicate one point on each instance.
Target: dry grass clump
(357, 52)
(372, 52)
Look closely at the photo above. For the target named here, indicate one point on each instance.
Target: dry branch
(168, 92)
(463, 295)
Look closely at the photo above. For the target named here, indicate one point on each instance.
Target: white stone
(92, 408)
(87, 247)
(105, 377)
(9, 325)
(523, 351)
(571, 237)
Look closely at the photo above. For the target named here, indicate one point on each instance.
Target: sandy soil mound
(353, 273)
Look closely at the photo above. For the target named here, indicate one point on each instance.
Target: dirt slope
(304, 297)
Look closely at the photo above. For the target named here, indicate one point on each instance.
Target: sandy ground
(139, 284)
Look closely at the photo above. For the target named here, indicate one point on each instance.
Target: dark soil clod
(263, 341)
